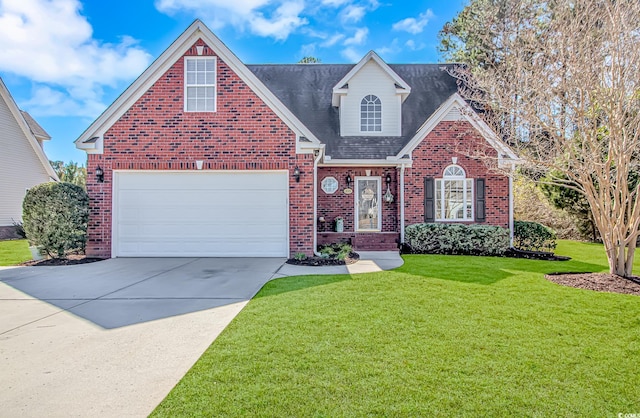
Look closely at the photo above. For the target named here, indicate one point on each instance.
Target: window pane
(191, 65)
(210, 105)
(200, 65)
(210, 64)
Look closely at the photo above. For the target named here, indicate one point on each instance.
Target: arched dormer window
(454, 195)
(371, 114)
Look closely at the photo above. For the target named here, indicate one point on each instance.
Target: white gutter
(315, 203)
(511, 209)
(364, 163)
(402, 204)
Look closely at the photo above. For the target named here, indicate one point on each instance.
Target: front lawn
(14, 252)
(440, 336)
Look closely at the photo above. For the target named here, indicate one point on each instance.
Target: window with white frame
(454, 195)
(200, 84)
(371, 114)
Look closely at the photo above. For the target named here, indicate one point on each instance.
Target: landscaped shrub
(436, 238)
(533, 236)
(339, 251)
(55, 217)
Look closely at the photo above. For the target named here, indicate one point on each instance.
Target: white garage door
(200, 214)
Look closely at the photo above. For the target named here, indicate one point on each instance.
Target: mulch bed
(70, 260)
(600, 282)
(320, 261)
(535, 255)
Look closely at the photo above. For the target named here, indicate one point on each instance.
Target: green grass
(14, 252)
(440, 336)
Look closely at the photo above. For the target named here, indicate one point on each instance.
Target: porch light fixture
(100, 175)
(388, 197)
(348, 180)
(296, 174)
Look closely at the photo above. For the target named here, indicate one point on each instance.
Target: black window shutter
(429, 202)
(481, 213)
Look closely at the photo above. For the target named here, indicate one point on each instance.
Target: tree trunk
(621, 261)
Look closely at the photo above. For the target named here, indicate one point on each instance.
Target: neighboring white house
(23, 163)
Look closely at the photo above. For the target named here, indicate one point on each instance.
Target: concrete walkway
(370, 261)
(59, 357)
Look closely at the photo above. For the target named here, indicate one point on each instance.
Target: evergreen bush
(438, 238)
(55, 217)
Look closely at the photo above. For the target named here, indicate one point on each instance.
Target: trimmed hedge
(55, 217)
(533, 236)
(438, 238)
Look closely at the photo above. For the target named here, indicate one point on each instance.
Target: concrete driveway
(112, 338)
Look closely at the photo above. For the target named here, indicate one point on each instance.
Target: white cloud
(352, 13)
(358, 38)
(46, 101)
(414, 25)
(257, 16)
(351, 54)
(308, 50)
(411, 44)
(334, 3)
(49, 42)
(332, 40)
(284, 21)
(391, 49)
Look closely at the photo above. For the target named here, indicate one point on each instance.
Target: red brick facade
(339, 204)
(244, 133)
(434, 154)
(430, 158)
(156, 134)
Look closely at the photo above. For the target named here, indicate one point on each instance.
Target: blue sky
(65, 61)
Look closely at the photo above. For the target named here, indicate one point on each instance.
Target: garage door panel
(201, 214)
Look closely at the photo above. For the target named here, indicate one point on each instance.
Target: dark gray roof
(35, 127)
(306, 89)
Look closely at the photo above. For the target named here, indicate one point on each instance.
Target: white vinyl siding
(370, 80)
(200, 84)
(201, 214)
(20, 167)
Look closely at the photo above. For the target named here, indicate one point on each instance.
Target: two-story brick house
(206, 156)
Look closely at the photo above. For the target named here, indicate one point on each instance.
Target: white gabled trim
(24, 126)
(330, 162)
(457, 102)
(197, 30)
(338, 90)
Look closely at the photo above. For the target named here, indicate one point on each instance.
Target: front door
(368, 215)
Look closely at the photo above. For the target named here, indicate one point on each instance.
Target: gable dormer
(370, 98)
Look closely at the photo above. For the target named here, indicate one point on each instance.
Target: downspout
(318, 155)
(402, 204)
(511, 207)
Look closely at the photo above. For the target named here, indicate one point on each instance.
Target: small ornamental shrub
(55, 217)
(338, 251)
(533, 236)
(299, 256)
(437, 238)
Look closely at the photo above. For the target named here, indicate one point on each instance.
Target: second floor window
(371, 114)
(200, 84)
